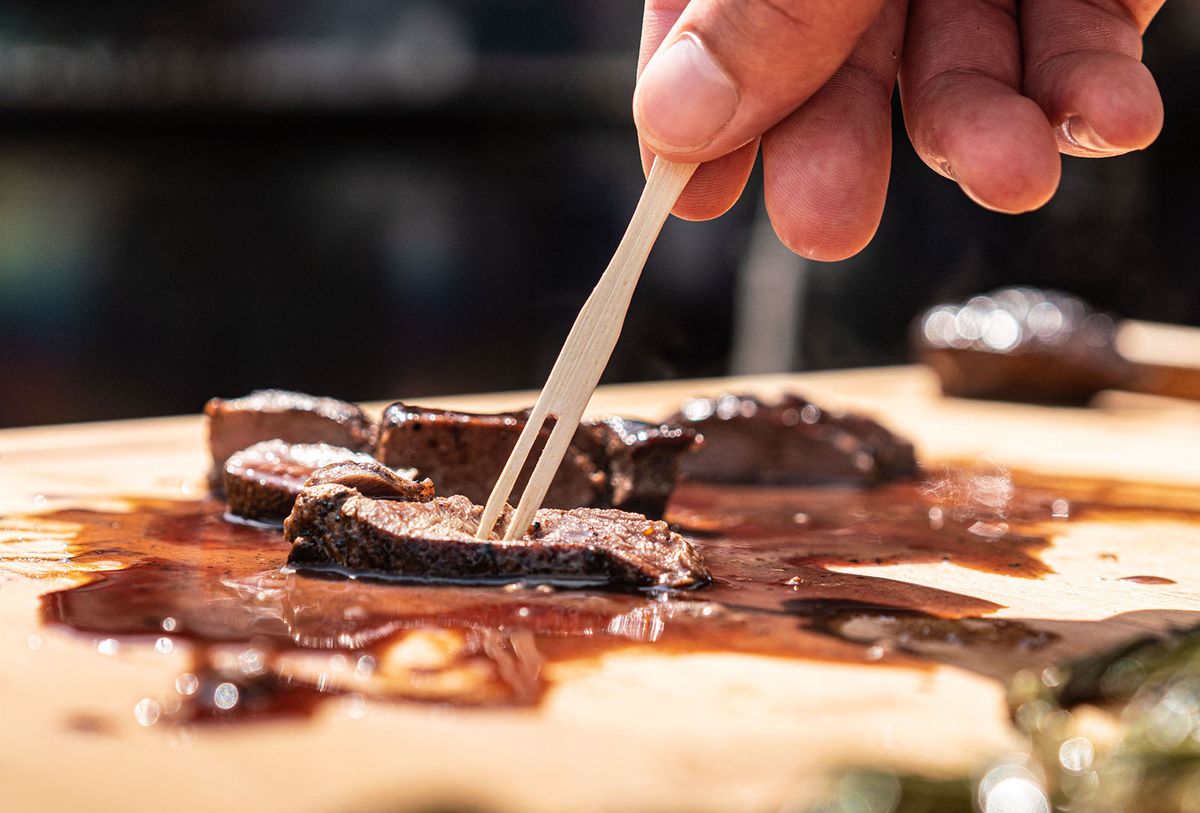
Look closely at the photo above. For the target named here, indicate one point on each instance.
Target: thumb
(729, 70)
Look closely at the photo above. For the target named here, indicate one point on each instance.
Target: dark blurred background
(371, 199)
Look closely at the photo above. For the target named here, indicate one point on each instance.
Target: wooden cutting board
(629, 730)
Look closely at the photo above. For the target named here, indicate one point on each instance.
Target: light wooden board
(631, 731)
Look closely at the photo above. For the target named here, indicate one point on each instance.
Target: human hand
(992, 92)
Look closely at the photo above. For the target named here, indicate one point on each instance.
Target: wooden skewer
(586, 353)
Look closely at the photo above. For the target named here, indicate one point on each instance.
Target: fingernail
(684, 98)
(1077, 131)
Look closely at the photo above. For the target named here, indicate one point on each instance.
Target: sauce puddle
(267, 643)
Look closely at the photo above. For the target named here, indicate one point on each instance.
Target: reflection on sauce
(265, 642)
(1148, 579)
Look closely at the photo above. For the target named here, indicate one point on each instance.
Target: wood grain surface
(631, 730)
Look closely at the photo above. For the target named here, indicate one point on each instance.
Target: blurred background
(372, 199)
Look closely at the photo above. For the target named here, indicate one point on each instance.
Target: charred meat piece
(614, 463)
(373, 479)
(1022, 344)
(294, 417)
(641, 460)
(792, 442)
(262, 481)
(335, 527)
(463, 453)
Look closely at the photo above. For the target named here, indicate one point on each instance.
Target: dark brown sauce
(1148, 579)
(266, 642)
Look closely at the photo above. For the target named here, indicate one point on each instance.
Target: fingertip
(1002, 152)
(825, 248)
(1105, 104)
(826, 233)
(827, 206)
(826, 169)
(1026, 189)
(717, 185)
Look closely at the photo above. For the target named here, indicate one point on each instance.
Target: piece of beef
(641, 460)
(234, 424)
(1022, 344)
(261, 482)
(791, 442)
(463, 453)
(333, 526)
(375, 480)
(615, 463)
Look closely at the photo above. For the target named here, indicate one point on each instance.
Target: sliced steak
(262, 481)
(335, 527)
(375, 480)
(614, 463)
(641, 460)
(234, 424)
(792, 442)
(463, 453)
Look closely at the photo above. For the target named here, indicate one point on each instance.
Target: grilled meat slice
(236, 423)
(335, 527)
(790, 442)
(262, 481)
